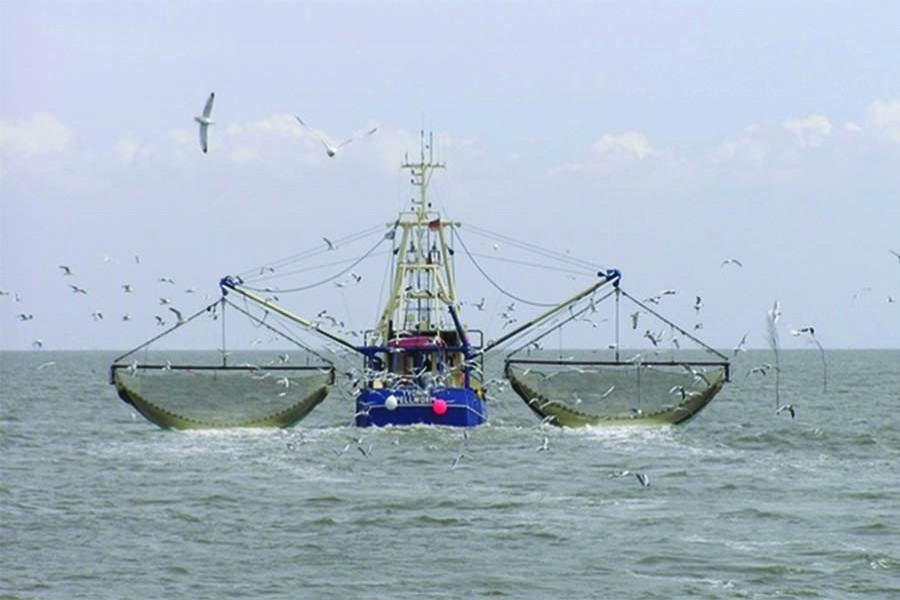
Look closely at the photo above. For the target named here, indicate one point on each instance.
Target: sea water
(96, 502)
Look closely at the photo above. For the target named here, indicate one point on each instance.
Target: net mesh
(668, 376)
(270, 377)
(593, 393)
(185, 397)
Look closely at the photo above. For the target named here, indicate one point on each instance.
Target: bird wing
(207, 110)
(203, 144)
(315, 134)
(894, 253)
(357, 137)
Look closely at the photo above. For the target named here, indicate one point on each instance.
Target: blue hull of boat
(417, 406)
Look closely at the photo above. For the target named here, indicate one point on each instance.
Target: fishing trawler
(420, 364)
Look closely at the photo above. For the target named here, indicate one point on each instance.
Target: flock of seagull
(173, 314)
(204, 120)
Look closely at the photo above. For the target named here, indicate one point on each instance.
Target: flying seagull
(732, 261)
(177, 314)
(205, 121)
(66, 270)
(329, 149)
(329, 243)
(787, 407)
(897, 254)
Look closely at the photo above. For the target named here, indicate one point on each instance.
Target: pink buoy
(439, 406)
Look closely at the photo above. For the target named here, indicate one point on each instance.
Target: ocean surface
(96, 502)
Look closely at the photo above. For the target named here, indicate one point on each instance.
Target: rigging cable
(324, 281)
(534, 248)
(495, 284)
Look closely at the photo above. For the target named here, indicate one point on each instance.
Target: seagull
(177, 314)
(45, 365)
(740, 346)
(66, 270)
(24, 317)
(456, 460)
(653, 338)
(643, 478)
(634, 319)
(77, 290)
(167, 280)
(680, 389)
(762, 370)
(609, 391)
(163, 301)
(283, 381)
(38, 343)
(856, 295)
(732, 261)
(126, 317)
(205, 121)
(787, 407)
(126, 287)
(775, 312)
(329, 149)
(698, 304)
(545, 445)
(97, 315)
(160, 321)
(897, 254)
(329, 243)
(810, 330)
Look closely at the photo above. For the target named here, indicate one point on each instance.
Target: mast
(423, 262)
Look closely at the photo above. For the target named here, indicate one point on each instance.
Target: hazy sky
(660, 138)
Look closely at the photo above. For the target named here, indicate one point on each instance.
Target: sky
(659, 138)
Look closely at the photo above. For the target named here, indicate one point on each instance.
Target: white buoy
(390, 402)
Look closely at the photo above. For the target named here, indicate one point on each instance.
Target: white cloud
(852, 127)
(886, 117)
(630, 144)
(566, 169)
(809, 132)
(41, 133)
(750, 147)
(126, 151)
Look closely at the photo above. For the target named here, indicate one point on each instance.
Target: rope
(166, 332)
(536, 265)
(671, 324)
(534, 248)
(573, 316)
(311, 252)
(495, 284)
(324, 281)
(262, 323)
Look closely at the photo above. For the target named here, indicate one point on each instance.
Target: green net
(595, 393)
(203, 397)
(270, 377)
(668, 376)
